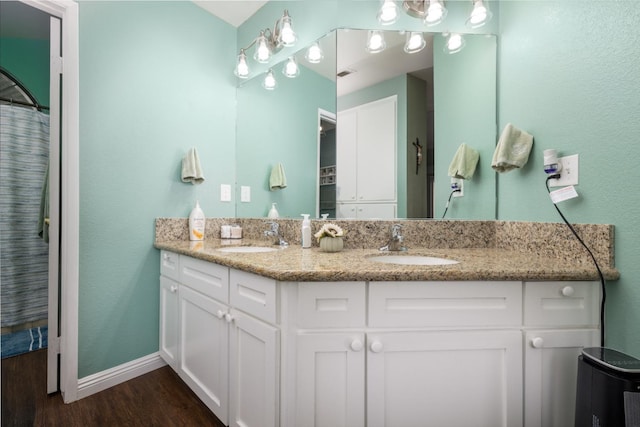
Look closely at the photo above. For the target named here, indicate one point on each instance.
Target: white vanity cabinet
(560, 318)
(366, 160)
(227, 356)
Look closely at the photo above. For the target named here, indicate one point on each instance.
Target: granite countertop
(311, 265)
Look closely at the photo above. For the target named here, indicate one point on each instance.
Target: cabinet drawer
(169, 265)
(561, 304)
(205, 277)
(253, 294)
(331, 304)
(445, 304)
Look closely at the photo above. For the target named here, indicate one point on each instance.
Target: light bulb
(388, 13)
(415, 42)
(436, 12)
(242, 68)
(480, 15)
(454, 44)
(375, 42)
(291, 68)
(269, 82)
(287, 35)
(314, 54)
(263, 52)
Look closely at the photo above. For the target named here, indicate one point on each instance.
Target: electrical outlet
(245, 193)
(225, 193)
(460, 183)
(568, 172)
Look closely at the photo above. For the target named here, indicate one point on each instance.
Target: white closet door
(346, 155)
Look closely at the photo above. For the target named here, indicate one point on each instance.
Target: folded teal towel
(464, 162)
(512, 150)
(191, 170)
(277, 180)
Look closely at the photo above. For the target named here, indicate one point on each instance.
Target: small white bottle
(273, 212)
(196, 223)
(306, 231)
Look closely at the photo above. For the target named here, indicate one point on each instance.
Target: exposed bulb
(480, 15)
(291, 68)
(242, 68)
(287, 36)
(454, 44)
(263, 52)
(415, 42)
(388, 13)
(375, 42)
(269, 82)
(436, 12)
(314, 54)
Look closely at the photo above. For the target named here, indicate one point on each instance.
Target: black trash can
(608, 389)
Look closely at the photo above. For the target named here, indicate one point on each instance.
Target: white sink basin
(411, 260)
(248, 249)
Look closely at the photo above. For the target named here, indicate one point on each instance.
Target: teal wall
(155, 79)
(28, 61)
(280, 126)
(568, 74)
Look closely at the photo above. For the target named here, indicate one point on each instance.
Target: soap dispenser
(306, 231)
(196, 223)
(273, 212)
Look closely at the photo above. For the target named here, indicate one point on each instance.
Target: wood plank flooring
(159, 398)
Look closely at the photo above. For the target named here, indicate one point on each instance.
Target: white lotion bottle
(196, 223)
(273, 212)
(306, 231)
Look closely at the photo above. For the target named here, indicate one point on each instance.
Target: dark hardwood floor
(159, 398)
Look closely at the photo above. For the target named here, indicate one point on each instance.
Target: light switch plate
(225, 193)
(568, 173)
(245, 194)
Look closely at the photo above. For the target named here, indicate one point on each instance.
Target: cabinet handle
(228, 317)
(537, 342)
(220, 314)
(166, 257)
(173, 288)
(356, 345)
(567, 291)
(376, 347)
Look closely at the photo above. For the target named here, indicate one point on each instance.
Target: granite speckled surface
(486, 250)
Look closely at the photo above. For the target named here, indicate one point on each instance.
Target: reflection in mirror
(455, 95)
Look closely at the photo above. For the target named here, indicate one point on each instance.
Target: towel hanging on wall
(513, 149)
(191, 170)
(464, 162)
(277, 179)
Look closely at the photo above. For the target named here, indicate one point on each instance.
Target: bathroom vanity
(297, 337)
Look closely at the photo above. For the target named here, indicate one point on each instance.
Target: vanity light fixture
(314, 54)
(269, 82)
(375, 42)
(267, 42)
(291, 69)
(479, 16)
(454, 43)
(415, 42)
(388, 13)
(432, 12)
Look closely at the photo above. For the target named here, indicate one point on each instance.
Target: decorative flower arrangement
(329, 230)
(334, 242)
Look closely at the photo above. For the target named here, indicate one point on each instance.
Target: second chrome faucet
(396, 241)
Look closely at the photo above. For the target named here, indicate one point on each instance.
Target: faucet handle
(395, 229)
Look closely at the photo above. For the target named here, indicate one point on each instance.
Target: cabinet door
(376, 161)
(346, 155)
(254, 369)
(204, 357)
(551, 366)
(330, 380)
(169, 321)
(376, 210)
(453, 379)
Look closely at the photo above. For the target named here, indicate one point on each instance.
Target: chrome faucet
(396, 241)
(274, 231)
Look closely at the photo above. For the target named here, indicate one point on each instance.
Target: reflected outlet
(460, 184)
(568, 172)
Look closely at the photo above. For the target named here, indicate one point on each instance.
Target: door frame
(67, 11)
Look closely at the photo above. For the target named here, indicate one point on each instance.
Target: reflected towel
(191, 170)
(277, 179)
(464, 162)
(512, 150)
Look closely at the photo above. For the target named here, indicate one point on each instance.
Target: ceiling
(234, 12)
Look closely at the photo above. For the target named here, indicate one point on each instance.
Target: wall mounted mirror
(457, 103)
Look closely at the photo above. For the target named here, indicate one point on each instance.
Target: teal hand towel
(277, 179)
(191, 170)
(513, 149)
(464, 162)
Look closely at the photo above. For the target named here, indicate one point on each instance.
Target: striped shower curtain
(24, 156)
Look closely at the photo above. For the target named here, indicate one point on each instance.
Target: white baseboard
(103, 380)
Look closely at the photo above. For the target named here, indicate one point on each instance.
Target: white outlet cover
(568, 173)
(245, 193)
(225, 192)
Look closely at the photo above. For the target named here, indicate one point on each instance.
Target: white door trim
(70, 202)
